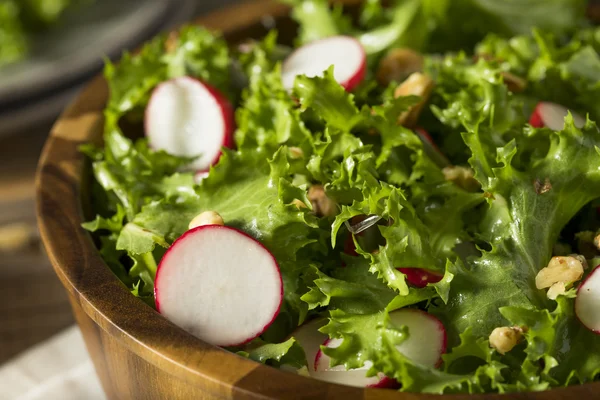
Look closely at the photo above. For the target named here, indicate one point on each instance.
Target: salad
(19, 19)
(408, 199)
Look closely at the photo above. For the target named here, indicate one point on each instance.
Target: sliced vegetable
(552, 115)
(220, 285)
(187, 117)
(343, 52)
(587, 303)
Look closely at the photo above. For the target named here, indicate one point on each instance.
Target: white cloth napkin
(56, 369)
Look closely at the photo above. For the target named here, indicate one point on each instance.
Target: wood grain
(33, 304)
(137, 353)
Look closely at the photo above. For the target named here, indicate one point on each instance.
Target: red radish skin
(435, 153)
(226, 262)
(419, 277)
(587, 302)
(349, 247)
(345, 53)
(207, 127)
(552, 116)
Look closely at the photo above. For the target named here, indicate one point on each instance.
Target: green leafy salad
(406, 198)
(19, 19)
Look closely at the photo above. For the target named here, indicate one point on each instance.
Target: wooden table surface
(33, 305)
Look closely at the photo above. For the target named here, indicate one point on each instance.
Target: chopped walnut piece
(295, 153)
(416, 84)
(397, 65)
(556, 289)
(560, 269)
(581, 259)
(322, 205)
(206, 218)
(299, 203)
(542, 187)
(461, 176)
(505, 338)
(514, 83)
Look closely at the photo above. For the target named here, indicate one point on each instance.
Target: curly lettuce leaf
(562, 73)
(194, 51)
(288, 353)
(317, 20)
(518, 250)
(374, 338)
(560, 350)
(431, 24)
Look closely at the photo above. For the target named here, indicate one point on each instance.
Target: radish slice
(419, 277)
(552, 115)
(355, 377)
(427, 336)
(425, 345)
(219, 284)
(186, 117)
(587, 303)
(345, 53)
(309, 337)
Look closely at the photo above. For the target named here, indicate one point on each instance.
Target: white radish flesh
(345, 53)
(186, 117)
(355, 377)
(587, 303)
(426, 340)
(309, 337)
(220, 285)
(552, 115)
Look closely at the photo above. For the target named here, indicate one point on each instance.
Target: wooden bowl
(137, 353)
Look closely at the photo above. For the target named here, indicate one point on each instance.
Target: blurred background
(48, 50)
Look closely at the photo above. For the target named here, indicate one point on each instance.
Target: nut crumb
(556, 290)
(462, 177)
(541, 188)
(581, 259)
(299, 203)
(560, 269)
(397, 65)
(514, 83)
(171, 42)
(417, 84)
(322, 205)
(505, 338)
(206, 218)
(296, 153)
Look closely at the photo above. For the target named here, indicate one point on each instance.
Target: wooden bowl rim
(107, 301)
